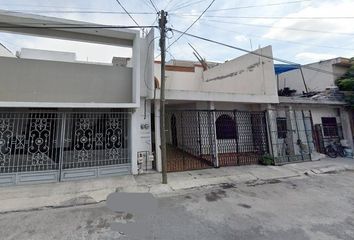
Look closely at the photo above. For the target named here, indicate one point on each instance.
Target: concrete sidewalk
(96, 190)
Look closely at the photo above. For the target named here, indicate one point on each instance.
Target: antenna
(199, 57)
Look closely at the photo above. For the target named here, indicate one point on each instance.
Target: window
(281, 127)
(330, 128)
(225, 127)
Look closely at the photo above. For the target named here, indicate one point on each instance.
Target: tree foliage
(346, 82)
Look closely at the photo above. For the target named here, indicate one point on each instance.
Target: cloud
(281, 30)
(241, 38)
(310, 57)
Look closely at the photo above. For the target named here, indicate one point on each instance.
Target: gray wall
(28, 80)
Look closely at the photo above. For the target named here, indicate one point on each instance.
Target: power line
(187, 5)
(168, 3)
(257, 54)
(287, 28)
(206, 9)
(127, 13)
(73, 26)
(77, 11)
(267, 17)
(259, 5)
(153, 4)
(291, 42)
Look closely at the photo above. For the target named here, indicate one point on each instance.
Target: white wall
(315, 80)
(27, 80)
(143, 126)
(248, 74)
(147, 65)
(248, 78)
(27, 53)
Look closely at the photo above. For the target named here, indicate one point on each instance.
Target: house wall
(247, 74)
(28, 80)
(46, 55)
(144, 144)
(315, 80)
(248, 78)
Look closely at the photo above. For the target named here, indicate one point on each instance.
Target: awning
(281, 68)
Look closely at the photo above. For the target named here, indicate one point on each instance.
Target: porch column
(212, 134)
(271, 118)
(347, 131)
(157, 136)
(134, 137)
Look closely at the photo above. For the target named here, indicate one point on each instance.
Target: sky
(301, 31)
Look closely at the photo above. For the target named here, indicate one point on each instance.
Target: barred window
(281, 127)
(330, 127)
(225, 127)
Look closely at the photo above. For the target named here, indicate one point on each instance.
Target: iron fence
(204, 138)
(291, 136)
(51, 143)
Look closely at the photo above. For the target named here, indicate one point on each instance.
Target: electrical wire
(73, 26)
(196, 20)
(168, 4)
(260, 5)
(76, 11)
(153, 4)
(257, 54)
(279, 40)
(125, 10)
(286, 28)
(266, 17)
(187, 5)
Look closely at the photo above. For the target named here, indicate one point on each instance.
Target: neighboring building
(326, 116)
(316, 80)
(61, 119)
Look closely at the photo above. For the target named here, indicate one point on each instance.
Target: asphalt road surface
(316, 207)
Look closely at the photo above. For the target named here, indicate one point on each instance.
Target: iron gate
(291, 136)
(58, 146)
(200, 139)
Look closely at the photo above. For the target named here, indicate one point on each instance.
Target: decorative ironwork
(6, 133)
(95, 139)
(42, 141)
(206, 138)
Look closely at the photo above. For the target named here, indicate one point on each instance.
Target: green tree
(346, 83)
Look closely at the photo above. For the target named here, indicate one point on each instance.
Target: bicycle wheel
(331, 152)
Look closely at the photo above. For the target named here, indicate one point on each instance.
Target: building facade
(62, 119)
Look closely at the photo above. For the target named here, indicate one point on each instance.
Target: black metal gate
(200, 139)
(53, 146)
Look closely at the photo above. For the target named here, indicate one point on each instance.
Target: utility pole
(162, 25)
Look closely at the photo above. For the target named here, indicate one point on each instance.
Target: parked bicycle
(334, 149)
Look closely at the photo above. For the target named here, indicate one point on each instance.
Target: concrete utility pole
(162, 25)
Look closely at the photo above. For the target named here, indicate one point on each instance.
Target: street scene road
(315, 207)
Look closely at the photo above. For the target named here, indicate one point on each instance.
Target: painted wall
(144, 144)
(315, 80)
(248, 74)
(147, 65)
(27, 80)
(248, 78)
(27, 53)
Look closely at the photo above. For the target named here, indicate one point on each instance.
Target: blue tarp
(280, 68)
